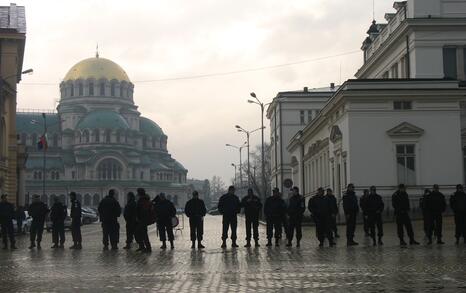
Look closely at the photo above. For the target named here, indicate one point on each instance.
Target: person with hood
(38, 212)
(165, 211)
(296, 208)
(229, 206)
(7, 214)
(435, 205)
(400, 203)
(252, 207)
(195, 210)
(351, 209)
(458, 205)
(321, 211)
(130, 215)
(275, 211)
(373, 206)
(58, 214)
(76, 215)
(109, 212)
(145, 216)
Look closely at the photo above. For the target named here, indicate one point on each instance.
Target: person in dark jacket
(334, 213)
(252, 207)
(295, 210)
(38, 212)
(20, 217)
(400, 203)
(458, 205)
(145, 216)
(109, 212)
(229, 206)
(351, 209)
(275, 211)
(58, 213)
(165, 211)
(373, 206)
(195, 210)
(321, 210)
(364, 196)
(422, 206)
(130, 218)
(7, 214)
(75, 214)
(435, 205)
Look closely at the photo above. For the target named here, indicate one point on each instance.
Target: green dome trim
(149, 127)
(103, 119)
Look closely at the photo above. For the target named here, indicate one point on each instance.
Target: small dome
(149, 127)
(103, 119)
(97, 68)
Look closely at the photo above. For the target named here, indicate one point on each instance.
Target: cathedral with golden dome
(97, 140)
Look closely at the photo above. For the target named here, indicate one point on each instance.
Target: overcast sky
(155, 40)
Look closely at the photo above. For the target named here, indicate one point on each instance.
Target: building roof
(25, 124)
(96, 68)
(149, 127)
(13, 17)
(103, 119)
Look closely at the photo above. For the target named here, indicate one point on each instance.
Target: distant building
(98, 140)
(12, 40)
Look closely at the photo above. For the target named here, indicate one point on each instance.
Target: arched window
(128, 94)
(91, 89)
(144, 141)
(78, 136)
(86, 136)
(108, 136)
(109, 169)
(95, 200)
(102, 89)
(112, 89)
(72, 90)
(80, 89)
(87, 200)
(96, 135)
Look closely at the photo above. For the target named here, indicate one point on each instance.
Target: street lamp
(240, 148)
(234, 165)
(248, 133)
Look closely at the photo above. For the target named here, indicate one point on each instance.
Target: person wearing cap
(351, 209)
(229, 206)
(295, 210)
(373, 206)
(275, 212)
(195, 210)
(435, 205)
(75, 214)
(58, 213)
(400, 203)
(458, 205)
(38, 212)
(109, 212)
(165, 211)
(321, 211)
(7, 214)
(334, 212)
(130, 216)
(252, 207)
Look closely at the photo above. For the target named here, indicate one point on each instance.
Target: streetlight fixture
(248, 133)
(239, 148)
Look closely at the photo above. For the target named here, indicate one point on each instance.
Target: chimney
(306, 89)
(332, 86)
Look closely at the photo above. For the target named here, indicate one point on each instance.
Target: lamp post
(248, 133)
(240, 148)
(234, 165)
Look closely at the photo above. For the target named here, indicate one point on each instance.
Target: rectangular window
(449, 63)
(91, 89)
(309, 116)
(402, 105)
(406, 164)
(301, 117)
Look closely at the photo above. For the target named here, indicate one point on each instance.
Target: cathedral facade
(97, 140)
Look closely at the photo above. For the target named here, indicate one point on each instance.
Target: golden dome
(96, 68)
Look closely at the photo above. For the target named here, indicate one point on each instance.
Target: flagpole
(45, 157)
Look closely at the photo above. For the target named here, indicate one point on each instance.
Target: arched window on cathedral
(96, 135)
(86, 136)
(154, 142)
(80, 89)
(91, 88)
(144, 141)
(72, 90)
(109, 169)
(102, 89)
(95, 200)
(87, 200)
(108, 135)
(112, 89)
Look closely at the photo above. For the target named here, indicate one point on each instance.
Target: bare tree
(217, 187)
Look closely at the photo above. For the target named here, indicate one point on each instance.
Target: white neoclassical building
(403, 119)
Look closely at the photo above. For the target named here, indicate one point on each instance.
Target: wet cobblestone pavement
(307, 269)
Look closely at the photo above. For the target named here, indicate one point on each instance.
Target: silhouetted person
(145, 216)
(400, 203)
(296, 208)
(275, 211)
(252, 207)
(38, 212)
(422, 206)
(320, 207)
(58, 213)
(20, 217)
(364, 196)
(458, 205)
(229, 207)
(7, 214)
(195, 210)
(75, 214)
(373, 206)
(334, 213)
(351, 209)
(435, 205)
(165, 211)
(109, 211)
(130, 216)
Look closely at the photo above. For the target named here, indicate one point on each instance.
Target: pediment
(335, 134)
(405, 129)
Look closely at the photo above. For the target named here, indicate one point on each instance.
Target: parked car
(26, 224)
(88, 216)
(214, 212)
